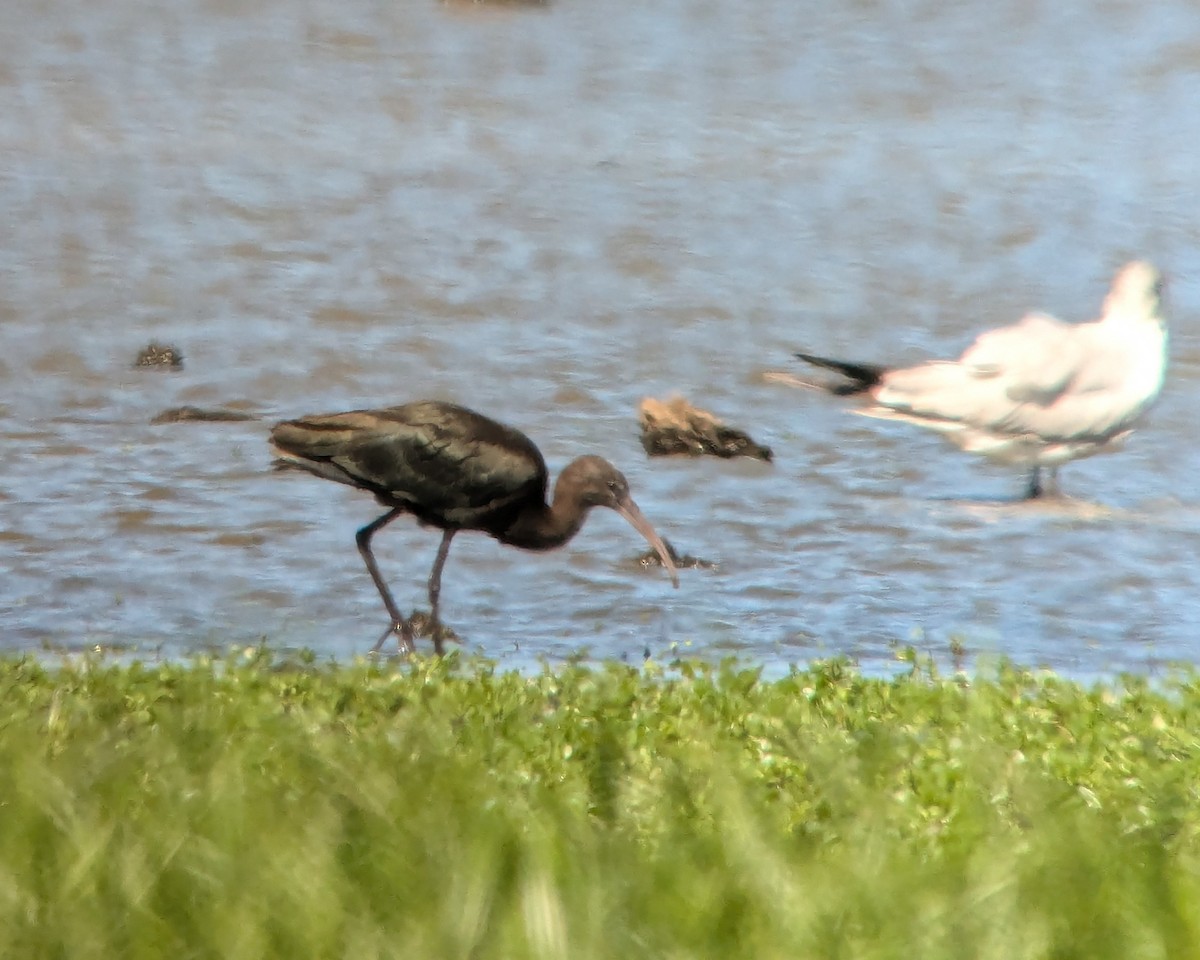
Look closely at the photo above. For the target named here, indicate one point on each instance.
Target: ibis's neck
(545, 526)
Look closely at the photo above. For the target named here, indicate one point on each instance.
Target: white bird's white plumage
(1040, 392)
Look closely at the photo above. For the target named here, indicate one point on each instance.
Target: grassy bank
(250, 809)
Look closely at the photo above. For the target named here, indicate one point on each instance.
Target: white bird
(1038, 393)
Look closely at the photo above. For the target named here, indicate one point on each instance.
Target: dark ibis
(453, 469)
(1038, 393)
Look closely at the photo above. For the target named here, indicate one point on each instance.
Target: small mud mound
(159, 356)
(202, 415)
(683, 561)
(422, 625)
(468, 4)
(676, 427)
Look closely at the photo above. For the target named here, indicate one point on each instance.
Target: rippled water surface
(548, 214)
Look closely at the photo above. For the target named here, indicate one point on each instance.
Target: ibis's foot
(424, 625)
(403, 632)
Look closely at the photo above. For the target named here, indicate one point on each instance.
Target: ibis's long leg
(400, 626)
(435, 589)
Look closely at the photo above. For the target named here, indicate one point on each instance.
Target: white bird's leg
(435, 589)
(400, 626)
(1052, 489)
(1034, 490)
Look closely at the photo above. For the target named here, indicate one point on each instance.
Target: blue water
(549, 214)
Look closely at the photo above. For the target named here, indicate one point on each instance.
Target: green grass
(250, 809)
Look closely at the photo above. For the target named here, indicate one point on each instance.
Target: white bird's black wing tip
(859, 377)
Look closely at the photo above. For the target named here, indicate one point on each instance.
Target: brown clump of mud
(159, 356)
(202, 415)
(682, 561)
(676, 427)
(422, 625)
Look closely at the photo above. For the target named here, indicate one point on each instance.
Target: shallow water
(549, 214)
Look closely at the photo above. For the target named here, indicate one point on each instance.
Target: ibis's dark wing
(442, 461)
